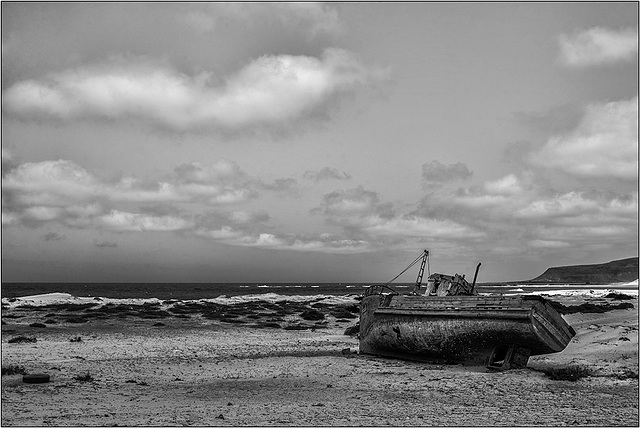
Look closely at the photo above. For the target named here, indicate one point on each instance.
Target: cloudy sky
(283, 142)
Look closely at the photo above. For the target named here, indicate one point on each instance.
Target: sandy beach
(186, 366)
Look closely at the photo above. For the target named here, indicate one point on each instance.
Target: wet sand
(201, 370)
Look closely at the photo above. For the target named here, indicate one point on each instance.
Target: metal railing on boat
(378, 289)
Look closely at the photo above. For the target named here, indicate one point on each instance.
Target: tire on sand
(36, 378)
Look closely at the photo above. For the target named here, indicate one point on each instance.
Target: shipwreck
(447, 321)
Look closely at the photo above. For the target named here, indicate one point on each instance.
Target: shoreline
(195, 291)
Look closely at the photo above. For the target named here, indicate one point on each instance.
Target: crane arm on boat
(425, 261)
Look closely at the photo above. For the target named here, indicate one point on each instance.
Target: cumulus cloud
(437, 172)
(125, 221)
(350, 203)
(362, 213)
(507, 185)
(594, 236)
(62, 192)
(241, 227)
(421, 227)
(326, 173)
(597, 46)
(492, 197)
(220, 183)
(222, 170)
(520, 207)
(283, 187)
(269, 91)
(247, 229)
(63, 183)
(605, 144)
(35, 193)
(568, 204)
(193, 199)
(580, 219)
(55, 183)
(541, 243)
(325, 243)
(579, 209)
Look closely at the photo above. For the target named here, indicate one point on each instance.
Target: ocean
(196, 291)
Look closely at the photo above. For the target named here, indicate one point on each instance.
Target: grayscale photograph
(319, 214)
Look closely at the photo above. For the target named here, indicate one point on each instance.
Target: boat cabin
(447, 285)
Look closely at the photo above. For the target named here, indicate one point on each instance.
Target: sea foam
(61, 298)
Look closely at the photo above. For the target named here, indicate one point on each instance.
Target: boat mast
(475, 276)
(425, 261)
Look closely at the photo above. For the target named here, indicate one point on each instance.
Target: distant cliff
(624, 270)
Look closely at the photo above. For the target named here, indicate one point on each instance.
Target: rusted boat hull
(496, 331)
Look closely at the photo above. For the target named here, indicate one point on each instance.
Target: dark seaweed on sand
(259, 314)
(590, 307)
(69, 307)
(250, 310)
(570, 373)
(195, 307)
(232, 320)
(146, 310)
(13, 369)
(76, 320)
(37, 325)
(84, 377)
(298, 327)
(31, 308)
(22, 339)
(312, 315)
(342, 312)
(353, 330)
(619, 296)
(266, 324)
